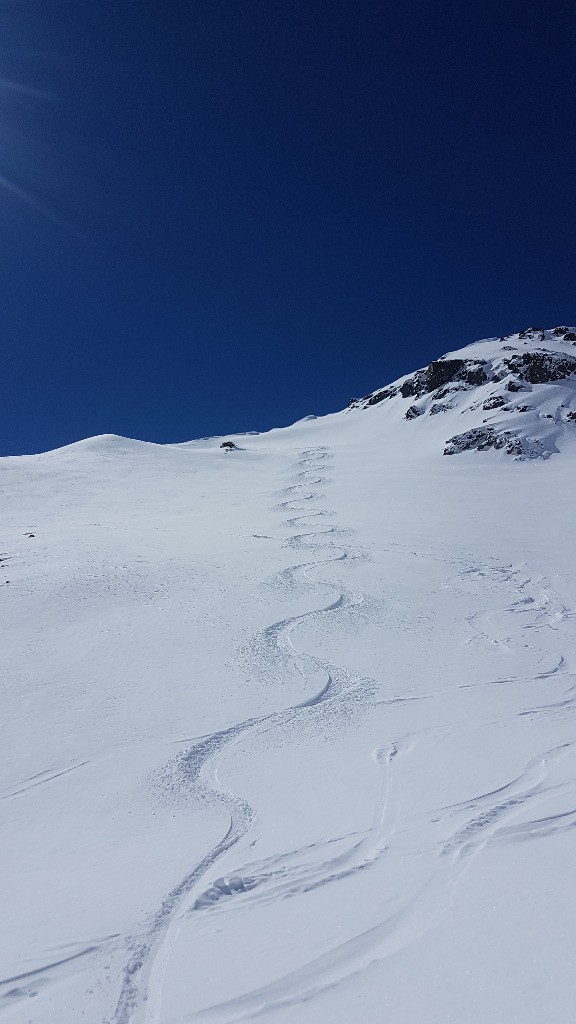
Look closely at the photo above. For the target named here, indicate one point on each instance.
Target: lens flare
(17, 150)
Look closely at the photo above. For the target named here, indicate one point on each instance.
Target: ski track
(141, 990)
(465, 829)
(41, 779)
(452, 836)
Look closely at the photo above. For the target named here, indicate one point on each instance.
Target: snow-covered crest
(516, 394)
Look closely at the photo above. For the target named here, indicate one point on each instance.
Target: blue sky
(226, 215)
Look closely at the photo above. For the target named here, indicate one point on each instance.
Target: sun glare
(18, 162)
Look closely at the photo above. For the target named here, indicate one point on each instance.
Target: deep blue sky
(223, 215)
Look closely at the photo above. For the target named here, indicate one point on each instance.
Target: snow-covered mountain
(490, 383)
(288, 727)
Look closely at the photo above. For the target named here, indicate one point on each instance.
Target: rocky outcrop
(480, 383)
(440, 407)
(380, 396)
(533, 333)
(541, 367)
(494, 402)
(484, 438)
(466, 372)
(412, 412)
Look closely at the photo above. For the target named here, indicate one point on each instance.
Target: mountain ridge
(531, 374)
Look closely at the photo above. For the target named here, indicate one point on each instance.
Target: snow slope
(288, 732)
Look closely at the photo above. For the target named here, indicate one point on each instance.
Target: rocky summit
(514, 394)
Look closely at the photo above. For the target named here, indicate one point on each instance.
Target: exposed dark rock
(380, 396)
(441, 372)
(440, 407)
(515, 385)
(413, 386)
(559, 331)
(494, 402)
(412, 413)
(571, 416)
(570, 336)
(480, 438)
(229, 446)
(524, 408)
(474, 375)
(533, 332)
(483, 438)
(542, 367)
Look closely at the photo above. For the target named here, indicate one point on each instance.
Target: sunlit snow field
(287, 733)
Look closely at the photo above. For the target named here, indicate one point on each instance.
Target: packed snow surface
(288, 730)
